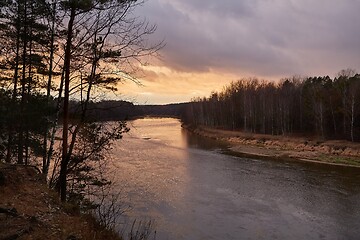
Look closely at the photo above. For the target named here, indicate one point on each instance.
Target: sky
(210, 43)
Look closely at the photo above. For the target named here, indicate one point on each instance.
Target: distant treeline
(122, 110)
(318, 106)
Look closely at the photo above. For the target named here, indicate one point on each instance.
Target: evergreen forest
(56, 59)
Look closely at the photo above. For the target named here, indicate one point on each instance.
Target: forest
(112, 110)
(309, 106)
(58, 60)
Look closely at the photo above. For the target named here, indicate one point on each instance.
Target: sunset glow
(209, 44)
(161, 84)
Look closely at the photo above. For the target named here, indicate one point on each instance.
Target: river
(194, 191)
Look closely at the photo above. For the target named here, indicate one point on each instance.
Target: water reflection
(152, 169)
(196, 141)
(195, 192)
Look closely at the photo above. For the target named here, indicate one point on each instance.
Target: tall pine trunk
(15, 82)
(23, 89)
(46, 154)
(67, 61)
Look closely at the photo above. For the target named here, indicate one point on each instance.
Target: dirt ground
(337, 152)
(30, 210)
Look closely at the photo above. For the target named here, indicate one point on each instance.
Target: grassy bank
(30, 210)
(335, 152)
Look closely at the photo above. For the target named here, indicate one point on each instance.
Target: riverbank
(30, 210)
(335, 152)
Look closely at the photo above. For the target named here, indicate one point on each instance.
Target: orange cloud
(162, 84)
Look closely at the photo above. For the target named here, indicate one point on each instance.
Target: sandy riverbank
(336, 152)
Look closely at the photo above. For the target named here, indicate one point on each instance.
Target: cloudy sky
(210, 43)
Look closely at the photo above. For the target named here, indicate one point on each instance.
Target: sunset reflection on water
(193, 191)
(153, 166)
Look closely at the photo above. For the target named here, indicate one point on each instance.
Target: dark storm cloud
(258, 37)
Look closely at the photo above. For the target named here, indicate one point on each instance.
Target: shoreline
(331, 152)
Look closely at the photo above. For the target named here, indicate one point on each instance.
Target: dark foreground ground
(30, 210)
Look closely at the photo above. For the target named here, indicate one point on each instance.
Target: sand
(335, 152)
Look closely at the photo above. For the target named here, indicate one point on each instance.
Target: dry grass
(40, 215)
(309, 149)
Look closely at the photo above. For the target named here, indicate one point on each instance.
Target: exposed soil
(336, 152)
(30, 210)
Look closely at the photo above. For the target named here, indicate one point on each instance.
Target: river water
(192, 190)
